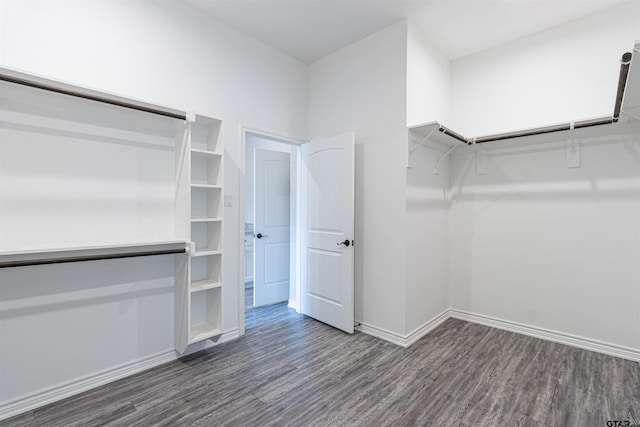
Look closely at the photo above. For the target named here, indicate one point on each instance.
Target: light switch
(228, 201)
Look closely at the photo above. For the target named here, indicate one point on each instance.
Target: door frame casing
(294, 253)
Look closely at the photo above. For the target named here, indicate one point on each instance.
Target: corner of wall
(428, 80)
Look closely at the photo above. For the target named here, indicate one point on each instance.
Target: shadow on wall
(37, 290)
(608, 169)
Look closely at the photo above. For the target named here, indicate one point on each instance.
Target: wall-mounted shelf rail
(451, 138)
(44, 84)
(184, 206)
(89, 253)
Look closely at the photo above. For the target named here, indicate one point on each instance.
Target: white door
(271, 227)
(327, 209)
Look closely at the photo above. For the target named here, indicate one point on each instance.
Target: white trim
(53, 394)
(427, 327)
(71, 388)
(276, 137)
(241, 227)
(549, 335)
(293, 303)
(203, 345)
(382, 333)
(411, 337)
(507, 325)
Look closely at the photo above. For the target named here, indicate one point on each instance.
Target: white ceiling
(311, 29)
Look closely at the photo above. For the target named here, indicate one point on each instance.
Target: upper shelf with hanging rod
(37, 82)
(627, 103)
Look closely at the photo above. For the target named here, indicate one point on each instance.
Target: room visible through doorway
(269, 222)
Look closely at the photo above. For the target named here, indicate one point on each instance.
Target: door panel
(271, 222)
(325, 285)
(327, 191)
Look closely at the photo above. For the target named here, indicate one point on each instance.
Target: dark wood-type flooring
(292, 370)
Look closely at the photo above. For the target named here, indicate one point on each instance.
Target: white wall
(362, 88)
(167, 53)
(427, 217)
(566, 73)
(68, 180)
(552, 247)
(67, 323)
(427, 228)
(532, 241)
(428, 80)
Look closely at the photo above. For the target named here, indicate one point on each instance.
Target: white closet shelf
(206, 252)
(48, 108)
(205, 153)
(37, 93)
(631, 101)
(207, 186)
(431, 132)
(626, 109)
(206, 219)
(203, 331)
(56, 255)
(203, 285)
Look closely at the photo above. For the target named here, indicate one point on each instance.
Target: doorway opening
(270, 225)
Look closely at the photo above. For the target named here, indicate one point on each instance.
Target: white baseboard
(71, 388)
(381, 333)
(423, 330)
(507, 325)
(294, 304)
(549, 335)
(53, 394)
(404, 340)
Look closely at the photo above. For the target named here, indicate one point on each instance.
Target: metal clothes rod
(546, 129)
(50, 88)
(622, 84)
(26, 263)
(453, 134)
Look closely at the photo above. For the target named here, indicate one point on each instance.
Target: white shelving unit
(199, 297)
(135, 139)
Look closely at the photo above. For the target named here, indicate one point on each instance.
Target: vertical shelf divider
(199, 171)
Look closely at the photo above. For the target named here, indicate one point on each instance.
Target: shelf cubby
(206, 202)
(207, 235)
(206, 271)
(205, 314)
(205, 168)
(206, 136)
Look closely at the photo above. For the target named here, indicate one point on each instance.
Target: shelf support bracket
(573, 149)
(628, 115)
(436, 169)
(481, 162)
(413, 146)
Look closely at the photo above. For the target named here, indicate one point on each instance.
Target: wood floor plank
(289, 370)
